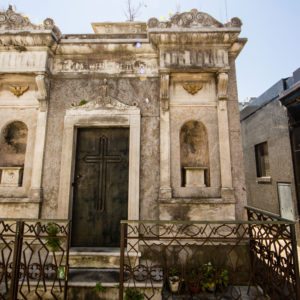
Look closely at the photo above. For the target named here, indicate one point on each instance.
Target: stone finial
(192, 19)
(10, 19)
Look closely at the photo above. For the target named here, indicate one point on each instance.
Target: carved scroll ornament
(18, 90)
(10, 19)
(191, 19)
(192, 87)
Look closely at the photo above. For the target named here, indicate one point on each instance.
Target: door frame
(99, 117)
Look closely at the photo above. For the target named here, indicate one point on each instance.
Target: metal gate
(34, 257)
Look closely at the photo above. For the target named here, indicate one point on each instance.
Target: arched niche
(194, 154)
(13, 143)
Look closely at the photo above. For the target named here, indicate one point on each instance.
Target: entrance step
(82, 285)
(97, 258)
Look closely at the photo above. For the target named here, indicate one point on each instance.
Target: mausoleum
(136, 121)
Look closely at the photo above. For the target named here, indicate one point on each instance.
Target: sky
(271, 26)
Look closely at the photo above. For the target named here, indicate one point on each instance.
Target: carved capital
(192, 87)
(165, 91)
(42, 91)
(222, 85)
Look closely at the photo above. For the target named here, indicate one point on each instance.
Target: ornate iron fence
(34, 259)
(254, 259)
(274, 254)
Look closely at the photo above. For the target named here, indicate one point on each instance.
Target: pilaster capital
(223, 86)
(42, 94)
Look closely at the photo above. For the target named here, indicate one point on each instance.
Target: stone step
(97, 258)
(82, 285)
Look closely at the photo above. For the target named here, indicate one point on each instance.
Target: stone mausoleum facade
(135, 121)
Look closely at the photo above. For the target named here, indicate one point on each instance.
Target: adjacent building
(271, 142)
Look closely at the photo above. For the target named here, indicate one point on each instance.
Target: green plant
(173, 271)
(213, 277)
(100, 288)
(133, 294)
(52, 240)
(82, 102)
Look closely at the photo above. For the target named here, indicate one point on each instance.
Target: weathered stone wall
(143, 93)
(269, 124)
(238, 177)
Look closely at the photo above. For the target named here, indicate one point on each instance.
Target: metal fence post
(67, 260)
(122, 253)
(295, 257)
(17, 260)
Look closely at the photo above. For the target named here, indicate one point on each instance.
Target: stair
(97, 258)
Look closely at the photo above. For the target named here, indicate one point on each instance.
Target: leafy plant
(52, 241)
(133, 294)
(82, 102)
(173, 271)
(213, 277)
(100, 288)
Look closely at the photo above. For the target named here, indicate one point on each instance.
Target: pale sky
(271, 26)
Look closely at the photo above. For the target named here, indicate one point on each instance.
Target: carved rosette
(192, 87)
(192, 19)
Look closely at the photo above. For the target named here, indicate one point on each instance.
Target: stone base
(197, 210)
(19, 208)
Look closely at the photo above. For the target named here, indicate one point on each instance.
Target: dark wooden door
(100, 186)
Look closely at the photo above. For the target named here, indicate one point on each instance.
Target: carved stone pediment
(11, 20)
(192, 19)
(106, 102)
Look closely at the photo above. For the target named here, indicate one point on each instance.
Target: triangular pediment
(105, 103)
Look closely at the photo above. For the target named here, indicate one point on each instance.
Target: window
(262, 160)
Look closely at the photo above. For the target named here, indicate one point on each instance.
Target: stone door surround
(97, 116)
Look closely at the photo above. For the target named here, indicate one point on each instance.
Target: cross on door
(103, 158)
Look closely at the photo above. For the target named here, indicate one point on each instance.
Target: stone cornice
(191, 37)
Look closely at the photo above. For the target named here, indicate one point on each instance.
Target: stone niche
(13, 142)
(194, 155)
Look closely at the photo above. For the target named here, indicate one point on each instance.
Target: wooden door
(100, 186)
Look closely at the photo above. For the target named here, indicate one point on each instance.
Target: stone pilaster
(224, 141)
(36, 190)
(165, 191)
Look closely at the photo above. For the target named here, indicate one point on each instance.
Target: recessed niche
(13, 143)
(194, 155)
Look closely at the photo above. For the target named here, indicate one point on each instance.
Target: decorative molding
(192, 87)
(222, 85)
(192, 19)
(165, 91)
(18, 90)
(10, 20)
(208, 58)
(29, 61)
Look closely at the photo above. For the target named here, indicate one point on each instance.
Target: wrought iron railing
(255, 259)
(34, 259)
